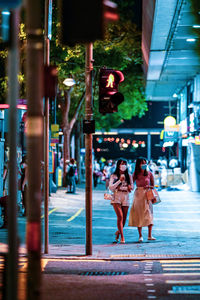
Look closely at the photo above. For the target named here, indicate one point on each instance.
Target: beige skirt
(141, 213)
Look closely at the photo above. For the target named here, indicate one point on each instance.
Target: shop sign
(172, 128)
(197, 140)
(170, 136)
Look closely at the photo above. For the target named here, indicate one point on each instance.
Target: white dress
(141, 213)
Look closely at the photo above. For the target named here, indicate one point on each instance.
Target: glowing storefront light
(169, 121)
(192, 122)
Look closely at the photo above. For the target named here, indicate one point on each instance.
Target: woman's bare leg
(119, 213)
(140, 231)
(150, 230)
(125, 212)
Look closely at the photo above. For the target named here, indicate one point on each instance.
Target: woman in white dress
(141, 213)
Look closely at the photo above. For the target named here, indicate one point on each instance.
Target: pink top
(142, 180)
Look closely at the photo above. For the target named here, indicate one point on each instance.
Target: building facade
(170, 42)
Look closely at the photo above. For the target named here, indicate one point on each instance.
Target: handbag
(153, 196)
(109, 196)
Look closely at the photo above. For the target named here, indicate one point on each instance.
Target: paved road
(176, 226)
(108, 279)
(132, 271)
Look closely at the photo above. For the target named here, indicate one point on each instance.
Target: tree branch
(75, 116)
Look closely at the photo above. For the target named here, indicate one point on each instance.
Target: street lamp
(69, 82)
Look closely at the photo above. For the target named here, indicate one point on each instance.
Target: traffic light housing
(109, 97)
(84, 21)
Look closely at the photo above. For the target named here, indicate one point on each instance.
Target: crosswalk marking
(181, 269)
(182, 287)
(181, 265)
(188, 289)
(183, 281)
(181, 274)
(163, 261)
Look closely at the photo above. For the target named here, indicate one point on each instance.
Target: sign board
(170, 136)
(51, 162)
(172, 128)
(54, 127)
(54, 133)
(54, 141)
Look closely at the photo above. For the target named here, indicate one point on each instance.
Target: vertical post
(88, 147)
(35, 63)
(149, 146)
(12, 272)
(46, 141)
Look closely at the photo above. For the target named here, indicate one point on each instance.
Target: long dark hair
(117, 170)
(138, 169)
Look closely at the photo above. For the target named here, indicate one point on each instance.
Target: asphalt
(168, 245)
(174, 239)
(132, 270)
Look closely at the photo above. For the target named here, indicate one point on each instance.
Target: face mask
(143, 167)
(123, 168)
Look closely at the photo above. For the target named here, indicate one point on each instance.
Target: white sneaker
(140, 239)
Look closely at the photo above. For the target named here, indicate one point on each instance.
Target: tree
(120, 50)
(195, 12)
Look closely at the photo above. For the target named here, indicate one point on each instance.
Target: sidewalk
(169, 244)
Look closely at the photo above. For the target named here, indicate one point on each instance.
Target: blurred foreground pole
(35, 63)
(13, 68)
(88, 147)
(46, 136)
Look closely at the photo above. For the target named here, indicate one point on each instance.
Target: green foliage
(120, 50)
(3, 64)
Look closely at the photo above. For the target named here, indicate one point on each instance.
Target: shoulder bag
(153, 196)
(109, 196)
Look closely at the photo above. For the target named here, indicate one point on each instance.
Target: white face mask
(122, 168)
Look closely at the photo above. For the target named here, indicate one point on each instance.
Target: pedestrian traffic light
(84, 21)
(109, 97)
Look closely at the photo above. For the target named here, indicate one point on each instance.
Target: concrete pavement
(176, 229)
(161, 269)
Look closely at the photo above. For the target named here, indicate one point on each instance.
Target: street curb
(121, 258)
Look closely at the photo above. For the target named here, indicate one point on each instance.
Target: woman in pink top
(141, 213)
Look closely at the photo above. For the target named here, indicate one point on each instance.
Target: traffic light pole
(13, 61)
(46, 139)
(35, 63)
(88, 147)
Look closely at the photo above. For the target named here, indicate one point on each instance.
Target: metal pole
(13, 61)
(149, 146)
(88, 147)
(35, 63)
(46, 141)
